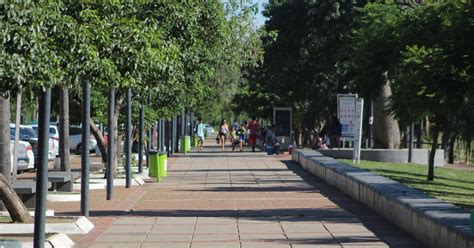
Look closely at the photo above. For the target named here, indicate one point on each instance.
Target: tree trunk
(405, 137)
(17, 210)
(386, 130)
(64, 130)
(118, 151)
(452, 143)
(419, 135)
(17, 134)
(100, 140)
(5, 158)
(433, 153)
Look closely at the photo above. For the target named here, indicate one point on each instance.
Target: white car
(53, 135)
(26, 158)
(27, 133)
(75, 140)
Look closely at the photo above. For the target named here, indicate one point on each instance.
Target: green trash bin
(187, 143)
(163, 165)
(154, 164)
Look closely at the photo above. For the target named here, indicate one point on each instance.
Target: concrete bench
(434, 222)
(61, 180)
(26, 190)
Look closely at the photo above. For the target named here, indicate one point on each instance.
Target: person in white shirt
(200, 134)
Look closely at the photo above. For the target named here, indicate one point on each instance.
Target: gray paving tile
(215, 237)
(128, 229)
(172, 229)
(215, 229)
(166, 245)
(135, 221)
(215, 245)
(260, 228)
(169, 238)
(121, 238)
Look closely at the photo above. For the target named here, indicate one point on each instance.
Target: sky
(260, 19)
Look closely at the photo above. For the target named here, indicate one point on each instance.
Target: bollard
(154, 165)
(472, 221)
(163, 164)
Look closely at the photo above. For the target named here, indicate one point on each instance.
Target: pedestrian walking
(223, 131)
(241, 136)
(200, 134)
(253, 126)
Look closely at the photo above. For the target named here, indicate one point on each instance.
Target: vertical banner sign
(346, 113)
(350, 110)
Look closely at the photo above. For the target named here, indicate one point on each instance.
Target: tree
(28, 63)
(300, 65)
(434, 77)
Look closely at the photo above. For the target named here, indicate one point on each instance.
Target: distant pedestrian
(200, 134)
(223, 131)
(253, 127)
(336, 132)
(241, 136)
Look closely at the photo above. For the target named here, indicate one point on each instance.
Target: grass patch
(454, 186)
(5, 219)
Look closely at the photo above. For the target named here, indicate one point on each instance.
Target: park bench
(26, 190)
(61, 180)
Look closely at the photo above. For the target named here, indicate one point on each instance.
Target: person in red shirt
(253, 126)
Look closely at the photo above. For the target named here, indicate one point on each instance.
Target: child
(241, 135)
(233, 137)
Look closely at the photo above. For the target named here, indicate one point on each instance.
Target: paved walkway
(214, 199)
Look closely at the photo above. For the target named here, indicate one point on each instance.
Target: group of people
(238, 134)
(241, 134)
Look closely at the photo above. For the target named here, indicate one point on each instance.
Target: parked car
(53, 134)
(26, 158)
(75, 140)
(29, 135)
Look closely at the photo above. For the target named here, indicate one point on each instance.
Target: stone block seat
(26, 190)
(61, 180)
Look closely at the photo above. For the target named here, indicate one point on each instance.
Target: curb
(81, 225)
(433, 222)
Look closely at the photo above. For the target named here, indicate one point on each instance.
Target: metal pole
(128, 140)
(160, 134)
(371, 123)
(183, 123)
(85, 158)
(166, 136)
(410, 142)
(140, 138)
(158, 138)
(192, 124)
(42, 170)
(175, 134)
(110, 143)
(149, 138)
(148, 147)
